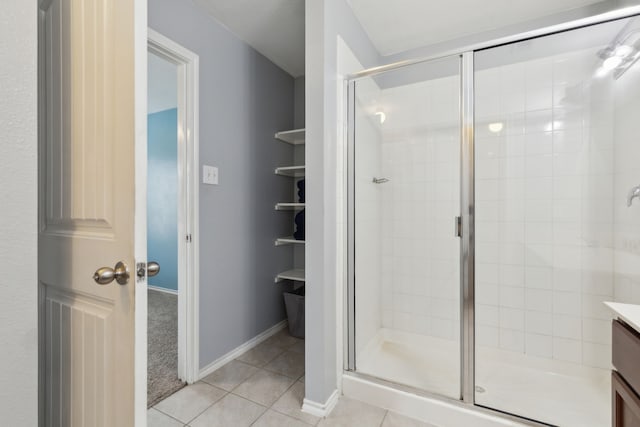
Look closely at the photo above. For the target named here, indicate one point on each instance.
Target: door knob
(105, 275)
(151, 269)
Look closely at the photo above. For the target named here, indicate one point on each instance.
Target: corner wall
(325, 23)
(244, 100)
(19, 221)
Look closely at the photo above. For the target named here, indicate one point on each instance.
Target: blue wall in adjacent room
(162, 197)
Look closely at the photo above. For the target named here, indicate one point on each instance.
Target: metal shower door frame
(467, 201)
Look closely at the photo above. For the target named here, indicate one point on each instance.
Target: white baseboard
(240, 350)
(165, 290)
(321, 409)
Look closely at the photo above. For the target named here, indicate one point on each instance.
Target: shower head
(621, 54)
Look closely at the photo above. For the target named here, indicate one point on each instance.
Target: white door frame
(187, 64)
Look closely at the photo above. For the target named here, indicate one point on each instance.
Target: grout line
(384, 418)
(262, 404)
(209, 406)
(290, 416)
(245, 380)
(259, 416)
(163, 413)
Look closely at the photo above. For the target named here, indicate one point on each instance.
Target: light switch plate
(209, 175)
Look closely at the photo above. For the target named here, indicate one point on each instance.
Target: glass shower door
(405, 195)
(556, 151)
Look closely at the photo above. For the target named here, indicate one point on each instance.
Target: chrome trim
(544, 31)
(634, 193)
(351, 247)
(467, 255)
(449, 400)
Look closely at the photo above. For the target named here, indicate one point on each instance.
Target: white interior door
(93, 350)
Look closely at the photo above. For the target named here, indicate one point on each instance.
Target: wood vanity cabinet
(625, 379)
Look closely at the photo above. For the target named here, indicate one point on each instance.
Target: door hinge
(458, 226)
(188, 238)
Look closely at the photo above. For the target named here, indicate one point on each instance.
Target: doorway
(171, 217)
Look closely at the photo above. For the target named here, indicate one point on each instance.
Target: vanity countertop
(630, 313)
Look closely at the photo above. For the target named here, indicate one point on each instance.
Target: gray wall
(244, 100)
(325, 21)
(18, 221)
(298, 103)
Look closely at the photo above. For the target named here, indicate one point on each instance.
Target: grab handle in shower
(379, 180)
(634, 193)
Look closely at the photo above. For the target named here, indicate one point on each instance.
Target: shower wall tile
(539, 345)
(544, 210)
(511, 340)
(567, 349)
(421, 159)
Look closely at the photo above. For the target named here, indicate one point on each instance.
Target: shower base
(551, 391)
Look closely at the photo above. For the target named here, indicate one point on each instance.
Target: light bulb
(496, 127)
(611, 63)
(601, 72)
(623, 51)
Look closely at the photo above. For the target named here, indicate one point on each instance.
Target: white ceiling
(275, 28)
(162, 84)
(409, 24)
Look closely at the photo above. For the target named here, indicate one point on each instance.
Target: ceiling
(427, 22)
(275, 28)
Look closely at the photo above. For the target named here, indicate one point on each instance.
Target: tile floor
(263, 388)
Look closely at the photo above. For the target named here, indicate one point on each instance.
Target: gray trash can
(294, 304)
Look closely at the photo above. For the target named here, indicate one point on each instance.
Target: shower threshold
(552, 391)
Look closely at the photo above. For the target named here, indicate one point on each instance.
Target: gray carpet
(162, 347)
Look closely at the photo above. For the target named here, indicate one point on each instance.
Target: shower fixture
(620, 55)
(634, 193)
(383, 180)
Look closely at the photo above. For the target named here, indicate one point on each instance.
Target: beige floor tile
(261, 354)
(351, 413)
(396, 420)
(288, 363)
(291, 403)
(275, 419)
(156, 418)
(190, 401)
(264, 387)
(282, 339)
(230, 411)
(298, 347)
(301, 379)
(230, 375)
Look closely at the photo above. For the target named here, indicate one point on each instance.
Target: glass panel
(556, 153)
(407, 174)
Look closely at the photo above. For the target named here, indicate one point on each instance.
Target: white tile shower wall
(627, 175)
(544, 208)
(420, 258)
(368, 215)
